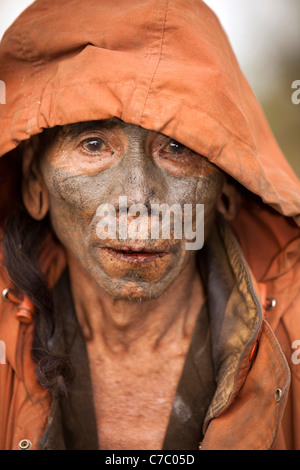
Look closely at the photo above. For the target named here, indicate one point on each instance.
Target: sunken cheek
(67, 205)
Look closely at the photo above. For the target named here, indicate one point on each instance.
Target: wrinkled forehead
(111, 123)
(70, 131)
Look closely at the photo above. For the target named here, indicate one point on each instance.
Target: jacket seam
(157, 63)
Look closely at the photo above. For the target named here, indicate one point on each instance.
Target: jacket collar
(252, 374)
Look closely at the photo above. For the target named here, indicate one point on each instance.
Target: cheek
(208, 190)
(208, 193)
(72, 205)
(204, 190)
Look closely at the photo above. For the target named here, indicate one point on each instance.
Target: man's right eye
(94, 145)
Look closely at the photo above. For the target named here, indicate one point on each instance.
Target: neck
(119, 325)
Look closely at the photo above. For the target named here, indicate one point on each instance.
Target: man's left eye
(175, 147)
(93, 145)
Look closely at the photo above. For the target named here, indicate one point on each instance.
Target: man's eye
(175, 147)
(93, 145)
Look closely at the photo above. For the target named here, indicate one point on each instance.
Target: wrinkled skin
(137, 310)
(141, 165)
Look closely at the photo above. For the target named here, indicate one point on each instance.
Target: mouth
(135, 254)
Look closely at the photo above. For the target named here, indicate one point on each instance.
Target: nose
(139, 179)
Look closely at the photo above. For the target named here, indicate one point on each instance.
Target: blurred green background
(283, 115)
(265, 35)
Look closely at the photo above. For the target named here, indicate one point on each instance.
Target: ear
(34, 191)
(230, 202)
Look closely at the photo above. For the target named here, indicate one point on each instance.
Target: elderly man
(118, 335)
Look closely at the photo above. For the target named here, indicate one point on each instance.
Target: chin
(132, 291)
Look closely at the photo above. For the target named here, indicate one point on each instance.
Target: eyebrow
(73, 130)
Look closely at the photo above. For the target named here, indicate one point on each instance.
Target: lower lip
(134, 257)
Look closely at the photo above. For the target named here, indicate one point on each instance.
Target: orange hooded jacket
(165, 65)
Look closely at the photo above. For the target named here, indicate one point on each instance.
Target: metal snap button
(278, 394)
(9, 296)
(5, 294)
(24, 444)
(270, 303)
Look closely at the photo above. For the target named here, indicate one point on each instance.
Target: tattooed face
(92, 164)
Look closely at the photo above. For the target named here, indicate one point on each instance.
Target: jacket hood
(165, 65)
